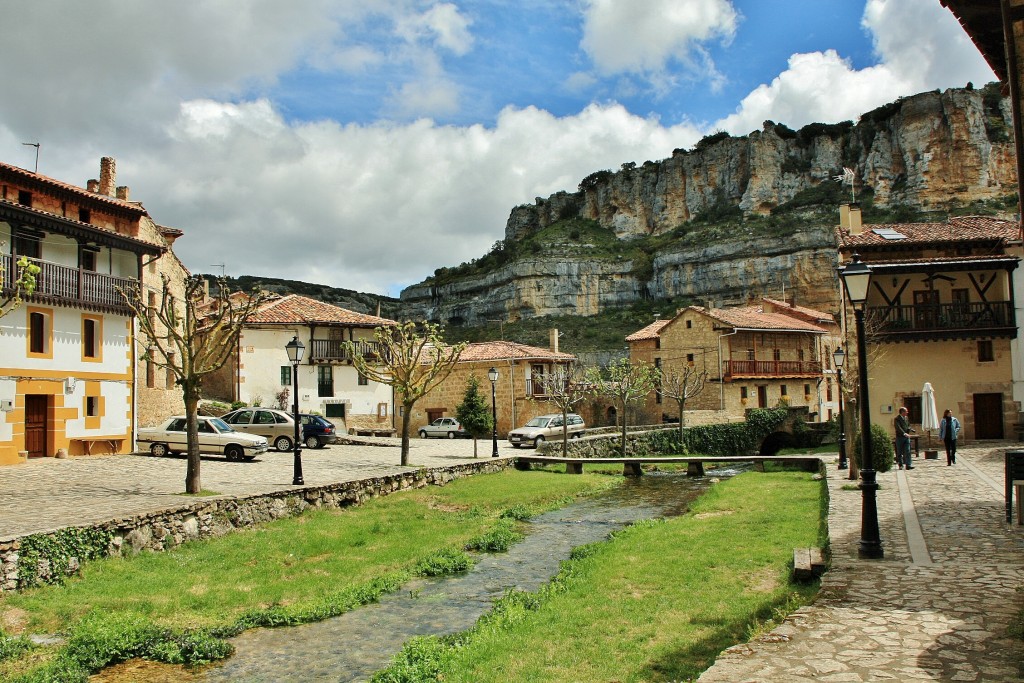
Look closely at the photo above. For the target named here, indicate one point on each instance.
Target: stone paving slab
(892, 619)
(47, 494)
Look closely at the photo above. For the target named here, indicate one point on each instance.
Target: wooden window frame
(44, 335)
(92, 341)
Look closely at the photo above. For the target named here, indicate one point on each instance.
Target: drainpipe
(721, 369)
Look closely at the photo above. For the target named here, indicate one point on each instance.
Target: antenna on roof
(501, 327)
(36, 145)
(218, 265)
(847, 178)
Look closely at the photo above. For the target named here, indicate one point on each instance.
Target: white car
(443, 427)
(544, 427)
(215, 437)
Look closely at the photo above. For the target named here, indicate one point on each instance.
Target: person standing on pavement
(949, 429)
(903, 430)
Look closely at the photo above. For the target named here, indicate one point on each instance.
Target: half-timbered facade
(940, 309)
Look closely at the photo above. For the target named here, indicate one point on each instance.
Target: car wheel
(234, 452)
(312, 442)
(538, 441)
(451, 435)
(283, 443)
(423, 434)
(158, 449)
(575, 436)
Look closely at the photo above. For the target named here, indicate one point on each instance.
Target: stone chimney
(122, 192)
(850, 219)
(108, 176)
(93, 186)
(553, 336)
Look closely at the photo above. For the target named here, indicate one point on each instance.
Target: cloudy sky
(365, 143)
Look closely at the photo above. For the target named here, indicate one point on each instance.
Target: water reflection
(354, 645)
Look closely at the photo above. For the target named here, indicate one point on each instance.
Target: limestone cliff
(928, 152)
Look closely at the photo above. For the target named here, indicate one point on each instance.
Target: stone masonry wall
(208, 518)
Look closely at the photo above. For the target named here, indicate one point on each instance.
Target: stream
(351, 647)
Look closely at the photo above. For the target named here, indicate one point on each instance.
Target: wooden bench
(694, 464)
(808, 563)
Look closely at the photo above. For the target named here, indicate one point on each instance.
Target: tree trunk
(623, 430)
(405, 434)
(474, 446)
(682, 427)
(192, 482)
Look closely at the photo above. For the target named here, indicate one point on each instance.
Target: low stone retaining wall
(605, 445)
(209, 517)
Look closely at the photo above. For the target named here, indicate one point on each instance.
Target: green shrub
(56, 550)
(882, 454)
(12, 647)
(443, 562)
(498, 539)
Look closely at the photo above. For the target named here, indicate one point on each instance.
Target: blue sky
(365, 143)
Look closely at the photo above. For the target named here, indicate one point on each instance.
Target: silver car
(444, 428)
(215, 437)
(544, 427)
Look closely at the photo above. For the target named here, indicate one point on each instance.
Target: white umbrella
(929, 417)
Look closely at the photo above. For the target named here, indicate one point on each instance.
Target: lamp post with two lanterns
(839, 357)
(295, 349)
(856, 279)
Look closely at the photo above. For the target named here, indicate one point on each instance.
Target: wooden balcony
(772, 368)
(65, 285)
(948, 321)
(334, 350)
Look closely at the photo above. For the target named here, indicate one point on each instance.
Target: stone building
(518, 394)
(755, 356)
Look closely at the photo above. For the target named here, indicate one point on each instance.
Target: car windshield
(220, 424)
(538, 422)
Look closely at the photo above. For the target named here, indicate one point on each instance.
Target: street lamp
(492, 375)
(295, 349)
(839, 356)
(856, 278)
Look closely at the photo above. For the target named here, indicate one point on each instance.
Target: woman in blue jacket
(949, 429)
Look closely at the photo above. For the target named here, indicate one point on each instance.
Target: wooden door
(35, 425)
(988, 416)
(762, 397)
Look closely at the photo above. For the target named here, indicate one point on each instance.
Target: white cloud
(919, 44)
(625, 36)
(442, 25)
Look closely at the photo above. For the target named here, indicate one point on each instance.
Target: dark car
(317, 432)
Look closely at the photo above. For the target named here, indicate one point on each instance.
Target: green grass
(656, 603)
(290, 571)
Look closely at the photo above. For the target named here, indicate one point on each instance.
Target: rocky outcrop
(925, 151)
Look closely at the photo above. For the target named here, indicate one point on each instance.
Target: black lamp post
(492, 375)
(856, 278)
(839, 356)
(295, 349)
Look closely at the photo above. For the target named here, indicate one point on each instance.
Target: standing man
(949, 429)
(903, 431)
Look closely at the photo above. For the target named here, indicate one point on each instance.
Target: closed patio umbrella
(929, 417)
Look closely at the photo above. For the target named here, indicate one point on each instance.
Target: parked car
(318, 431)
(443, 427)
(544, 427)
(215, 437)
(279, 427)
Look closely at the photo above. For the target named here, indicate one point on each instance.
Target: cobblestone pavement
(47, 494)
(935, 608)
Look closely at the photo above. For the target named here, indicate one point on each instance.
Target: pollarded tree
(473, 413)
(191, 338)
(566, 387)
(680, 387)
(11, 294)
(624, 382)
(410, 361)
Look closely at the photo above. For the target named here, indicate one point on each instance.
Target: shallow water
(354, 645)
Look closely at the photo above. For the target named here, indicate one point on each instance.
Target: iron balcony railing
(335, 350)
(772, 368)
(966, 317)
(57, 283)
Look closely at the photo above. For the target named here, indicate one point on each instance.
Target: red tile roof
(956, 229)
(505, 350)
(808, 314)
(754, 318)
(294, 308)
(652, 331)
(29, 176)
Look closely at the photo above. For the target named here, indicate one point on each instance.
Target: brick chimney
(93, 186)
(850, 218)
(122, 192)
(553, 337)
(108, 176)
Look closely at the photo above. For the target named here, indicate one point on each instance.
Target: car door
(241, 420)
(265, 424)
(177, 438)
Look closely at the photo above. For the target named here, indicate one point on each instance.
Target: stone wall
(208, 518)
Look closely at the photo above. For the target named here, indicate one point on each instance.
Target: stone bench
(808, 563)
